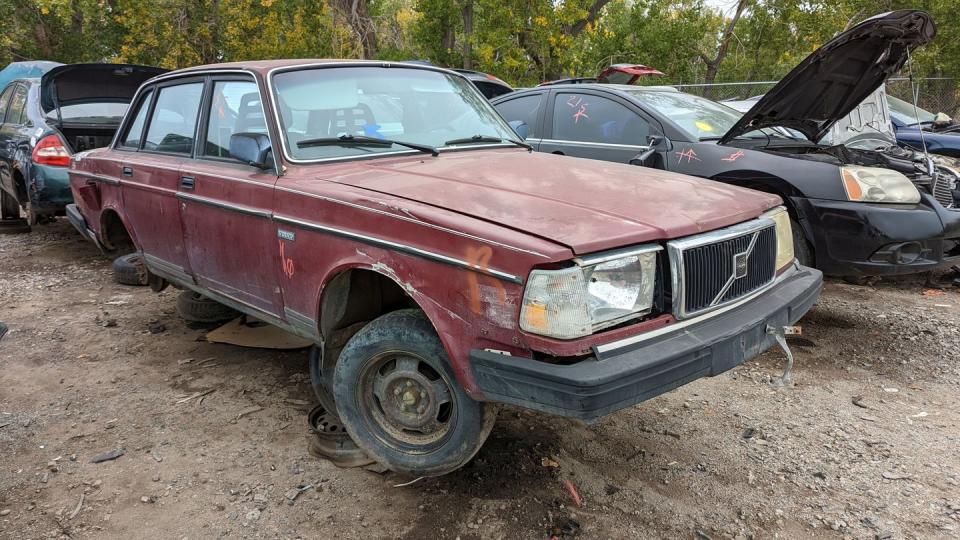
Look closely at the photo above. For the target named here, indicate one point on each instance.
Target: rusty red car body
(457, 233)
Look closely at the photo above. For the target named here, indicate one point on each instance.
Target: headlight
(874, 184)
(597, 293)
(781, 218)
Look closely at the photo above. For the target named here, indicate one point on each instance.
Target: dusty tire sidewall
(408, 330)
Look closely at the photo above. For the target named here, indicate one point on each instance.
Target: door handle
(187, 182)
(127, 171)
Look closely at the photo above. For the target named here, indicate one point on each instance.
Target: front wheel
(400, 401)
(802, 249)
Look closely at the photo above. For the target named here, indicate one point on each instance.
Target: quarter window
(589, 118)
(525, 109)
(15, 112)
(174, 119)
(135, 131)
(5, 99)
(234, 108)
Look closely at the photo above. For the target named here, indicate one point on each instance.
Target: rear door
(588, 124)
(151, 173)
(7, 144)
(226, 205)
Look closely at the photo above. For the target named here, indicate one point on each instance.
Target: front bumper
(636, 369)
(863, 239)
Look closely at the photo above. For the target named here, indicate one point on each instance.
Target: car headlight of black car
(878, 185)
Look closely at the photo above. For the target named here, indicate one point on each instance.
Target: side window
(234, 108)
(525, 109)
(5, 99)
(17, 103)
(174, 119)
(132, 138)
(588, 118)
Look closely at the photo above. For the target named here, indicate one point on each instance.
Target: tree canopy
(521, 41)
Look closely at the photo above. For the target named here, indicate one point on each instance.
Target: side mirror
(521, 128)
(647, 157)
(251, 148)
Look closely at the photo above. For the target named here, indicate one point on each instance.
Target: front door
(226, 206)
(591, 126)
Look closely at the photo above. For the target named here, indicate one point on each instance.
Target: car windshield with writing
(345, 112)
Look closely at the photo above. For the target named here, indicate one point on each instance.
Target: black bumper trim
(80, 224)
(631, 374)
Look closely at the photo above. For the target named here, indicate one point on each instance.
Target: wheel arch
(115, 235)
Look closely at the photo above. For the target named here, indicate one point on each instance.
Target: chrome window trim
(327, 65)
(703, 316)
(675, 249)
(95, 177)
(596, 144)
(404, 248)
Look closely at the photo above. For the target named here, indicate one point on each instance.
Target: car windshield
(408, 105)
(91, 113)
(702, 118)
(904, 112)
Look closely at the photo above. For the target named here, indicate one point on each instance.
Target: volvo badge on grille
(740, 264)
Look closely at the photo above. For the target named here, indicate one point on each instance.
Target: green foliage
(521, 41)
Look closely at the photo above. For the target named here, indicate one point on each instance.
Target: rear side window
(17, 103)
(234, 108)
(589, 118)
(174, 119)
(525, 109)
(135, 131)
(5, 99)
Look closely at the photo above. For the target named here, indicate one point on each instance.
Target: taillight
(50, 150)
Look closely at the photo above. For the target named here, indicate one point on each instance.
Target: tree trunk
(593, 12)
(713, 65)
(468, 34)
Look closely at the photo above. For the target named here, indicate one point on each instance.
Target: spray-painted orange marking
(285, 263)
(480, 258)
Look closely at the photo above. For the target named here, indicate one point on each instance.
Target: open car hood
(92, 83)
(838, 76)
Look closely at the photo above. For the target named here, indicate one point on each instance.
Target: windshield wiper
(363, 140)
(487, 139)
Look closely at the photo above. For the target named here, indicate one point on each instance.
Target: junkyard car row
(388, 213)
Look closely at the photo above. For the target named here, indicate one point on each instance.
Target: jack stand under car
(780, 333)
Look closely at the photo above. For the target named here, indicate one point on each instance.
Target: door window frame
(125, 132)
(153, 106)
(541, 112)
(656, 128)
(17, 88)
(204, 119)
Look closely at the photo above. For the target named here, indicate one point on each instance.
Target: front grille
(717, 268)
(943, 187)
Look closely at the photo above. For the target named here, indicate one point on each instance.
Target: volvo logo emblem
(740, 265)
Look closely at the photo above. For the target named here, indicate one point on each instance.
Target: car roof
(265, 66)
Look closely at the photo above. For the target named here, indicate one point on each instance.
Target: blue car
(940, 133)
(47, 119)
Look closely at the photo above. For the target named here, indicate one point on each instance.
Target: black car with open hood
(856, 209)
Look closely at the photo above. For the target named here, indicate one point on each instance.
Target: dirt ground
(866, 444)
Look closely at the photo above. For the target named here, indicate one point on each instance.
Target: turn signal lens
(50, 150)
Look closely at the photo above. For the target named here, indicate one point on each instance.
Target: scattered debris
(933, 292)
(574, 494)
(196, 395)
(748, 433)
(295, 492)
(108, 456)
(156, 327)
(858, 401)
(405, 484)
(547, 462)
(3, 330)
(895, 476)
(77, 509)
(248, 410)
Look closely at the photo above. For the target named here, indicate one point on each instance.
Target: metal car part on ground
(48, 118)
(386, 213)
(861, 212)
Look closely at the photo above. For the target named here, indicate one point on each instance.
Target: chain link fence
(935, 94)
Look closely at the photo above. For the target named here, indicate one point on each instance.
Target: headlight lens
(577, 301)
(875, 184)
(781, 218)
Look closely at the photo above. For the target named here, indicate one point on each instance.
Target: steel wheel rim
(405, 402)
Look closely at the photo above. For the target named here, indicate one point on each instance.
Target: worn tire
(407, 336)
(802, 249)
(321, 384)
(194, 307)
(129, 270)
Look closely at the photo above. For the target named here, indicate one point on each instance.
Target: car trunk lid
(76, 84)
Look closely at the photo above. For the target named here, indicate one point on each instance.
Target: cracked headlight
(874, 184)
(598, 292)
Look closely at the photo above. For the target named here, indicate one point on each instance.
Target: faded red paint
(495, 209)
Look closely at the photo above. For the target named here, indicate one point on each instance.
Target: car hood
(585, 205)
(833, 80)
(92, 83)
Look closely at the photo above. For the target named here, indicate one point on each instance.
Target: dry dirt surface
(865, 444)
